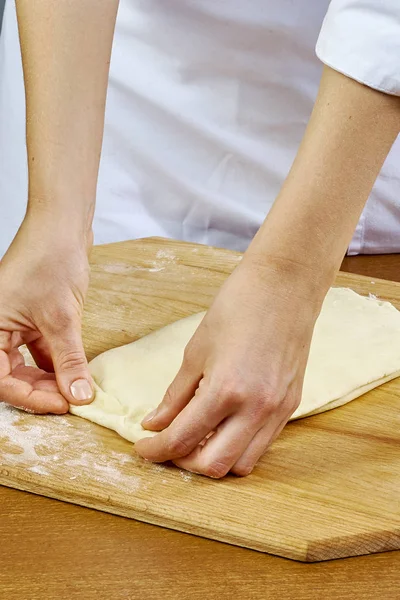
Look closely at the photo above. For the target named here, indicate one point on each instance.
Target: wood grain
(56, 551)
(385, 266)
(328, 488)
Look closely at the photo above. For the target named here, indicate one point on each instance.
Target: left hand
(43, 281)
(242, 373)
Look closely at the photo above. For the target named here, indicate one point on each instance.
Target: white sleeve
(361, 39)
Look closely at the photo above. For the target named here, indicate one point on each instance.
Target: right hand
(43, 282)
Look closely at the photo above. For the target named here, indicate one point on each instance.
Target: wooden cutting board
(328, 488)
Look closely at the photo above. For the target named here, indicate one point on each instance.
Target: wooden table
(50, 550)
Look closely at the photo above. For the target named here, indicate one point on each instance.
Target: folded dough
(355, 347)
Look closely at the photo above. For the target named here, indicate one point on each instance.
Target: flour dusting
(186, 475)
(39, 470)
(103, 472)
(166, 255)
(21, 442)
(159, 468)
(124, 269)
(50, 446)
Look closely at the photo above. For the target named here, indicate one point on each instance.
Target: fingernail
(81, 390)
(150, 416)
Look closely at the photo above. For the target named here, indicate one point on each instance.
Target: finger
(47, 385)
(177, 396)
(70, 364)
(258, 447)
(5, 365)
(28, 374)
(5, 341)
(201, 416)
(33, 375)
(21, 394)
(41, 354)
(221, 451)
(16, 359)
(25, 387)
(43, 402)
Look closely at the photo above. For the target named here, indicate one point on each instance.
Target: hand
(43, 282)
(242, 373)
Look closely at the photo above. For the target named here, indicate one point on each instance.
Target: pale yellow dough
(355, 347)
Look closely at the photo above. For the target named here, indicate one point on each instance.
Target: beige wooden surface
(328, 488)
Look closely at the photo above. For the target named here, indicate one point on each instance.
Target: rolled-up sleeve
(361, 39)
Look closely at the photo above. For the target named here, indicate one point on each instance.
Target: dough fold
(355, 348)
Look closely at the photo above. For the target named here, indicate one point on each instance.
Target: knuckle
(263, 405)
(232, 392)
(71, 360)
(261, 400)
(189, 355)
(178, 447)
(265, 400)
(169, 396)
(291, 402)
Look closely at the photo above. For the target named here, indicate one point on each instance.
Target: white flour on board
(42, 445)
(39, 470)
(186, 475)
(37, 445)
(124, 269)
(166, 255)
(160, 468)
(104, 472)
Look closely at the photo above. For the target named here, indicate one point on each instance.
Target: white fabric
(361, 38)
(207, 103)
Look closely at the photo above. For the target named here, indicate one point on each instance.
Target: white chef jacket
(207, 103)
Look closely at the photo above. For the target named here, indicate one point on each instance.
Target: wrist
(63, 228)
(290, 276)
(41, 241)
(300, 245)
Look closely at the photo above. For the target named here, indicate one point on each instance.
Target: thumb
(70, 364)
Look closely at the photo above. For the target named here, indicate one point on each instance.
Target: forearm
(349, 135)
(66, 48)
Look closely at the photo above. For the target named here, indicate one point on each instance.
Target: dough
(355, 347)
